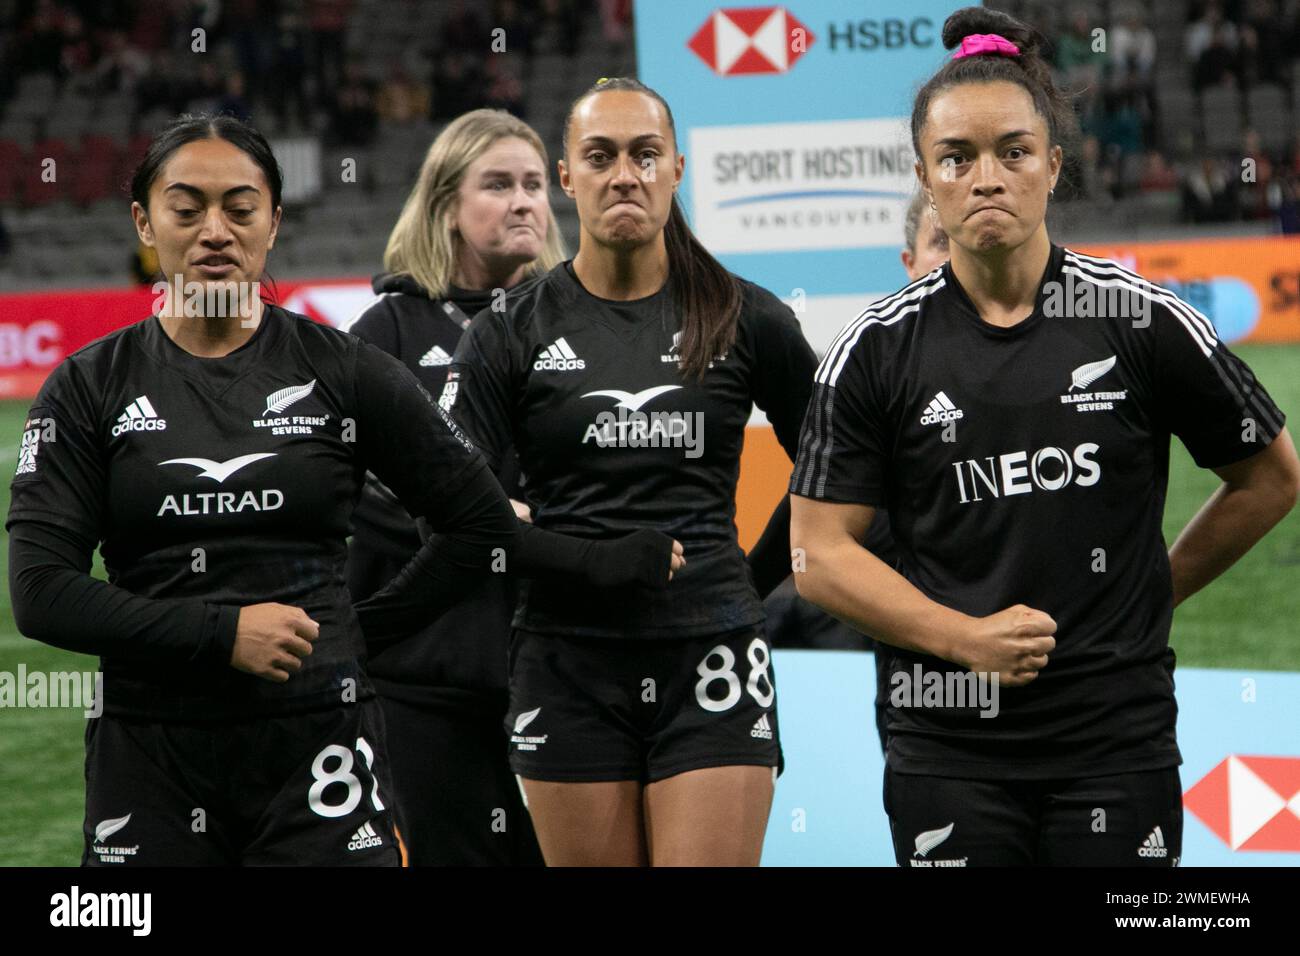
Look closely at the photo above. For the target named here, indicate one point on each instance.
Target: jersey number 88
(757, 672)
(341, 775)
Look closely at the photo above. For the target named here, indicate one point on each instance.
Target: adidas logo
(435, 356)
(762, 729)
(558, 358)
(1154, 845)
(940, 410)
(139, 416)
(364, 838)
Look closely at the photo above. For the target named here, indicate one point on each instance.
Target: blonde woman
(475, 228)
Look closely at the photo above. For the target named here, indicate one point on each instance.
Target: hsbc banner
(794, 122)
(39, 329)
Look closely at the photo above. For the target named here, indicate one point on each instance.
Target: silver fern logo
(1082, 378)
(526, 718)
(279, 400)
(1085, 375)
(927, 841)
(107, 828)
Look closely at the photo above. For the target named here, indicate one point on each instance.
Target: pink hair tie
(986, 43)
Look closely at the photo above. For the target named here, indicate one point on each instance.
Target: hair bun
(972, 20)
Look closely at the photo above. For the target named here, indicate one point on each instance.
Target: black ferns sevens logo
(278, 401)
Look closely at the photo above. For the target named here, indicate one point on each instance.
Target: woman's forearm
(1227, 526)
(848, 581)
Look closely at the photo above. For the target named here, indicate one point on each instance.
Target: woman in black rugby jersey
(1020, 442)
(642, 719)
(477, 223)
(214, 452)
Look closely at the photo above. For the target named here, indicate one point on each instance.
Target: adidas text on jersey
(558, 357)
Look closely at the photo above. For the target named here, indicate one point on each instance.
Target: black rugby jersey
(1049, 492)
(216, 483)
(612, 438)
(466, 647)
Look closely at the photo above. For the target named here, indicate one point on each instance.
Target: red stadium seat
(132, 155)
(37, 191)
(93, 179)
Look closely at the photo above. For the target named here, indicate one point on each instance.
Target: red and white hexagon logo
(742, 40)
(1251, 803)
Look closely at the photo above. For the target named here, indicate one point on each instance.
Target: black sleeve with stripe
(842, 445)
(1205, 394)
(783, 375)
(56, 513)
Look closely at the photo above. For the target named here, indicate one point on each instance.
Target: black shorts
(455, 800)
(586, 709)
(1126, 819)
(298, 790)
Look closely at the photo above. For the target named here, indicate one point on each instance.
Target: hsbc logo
(750, 40)
(1251, 803)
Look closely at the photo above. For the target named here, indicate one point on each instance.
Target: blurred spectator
(563, 20)
(616, 22)
(233, 101)
(1287, 203)
(76, 54)
(121, 66)
(288, 75)
(246, 27)
(1209, 193)
(1093, 185)
(1263, 44)
(153, 26)
(353, 119)
(463, 30)
(1157, 174)
(505, 88)
(1132, 55)
(161, 87)
(1079, 67)
(327, 20)
(1212, 48)
(456, 84)
(42, 39)
(1201, 32)
(519, 26)
(401, 99)
(1133, 44)
(1255, 198)
(206, 89)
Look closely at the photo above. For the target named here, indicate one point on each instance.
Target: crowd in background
(292, 58)
(1126, 150)
(289, 65)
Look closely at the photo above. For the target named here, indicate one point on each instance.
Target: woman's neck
(210, 337)
(621, 273)
(1004, 286)
(474, 273)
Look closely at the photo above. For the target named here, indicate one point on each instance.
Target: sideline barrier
(1240, 772)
